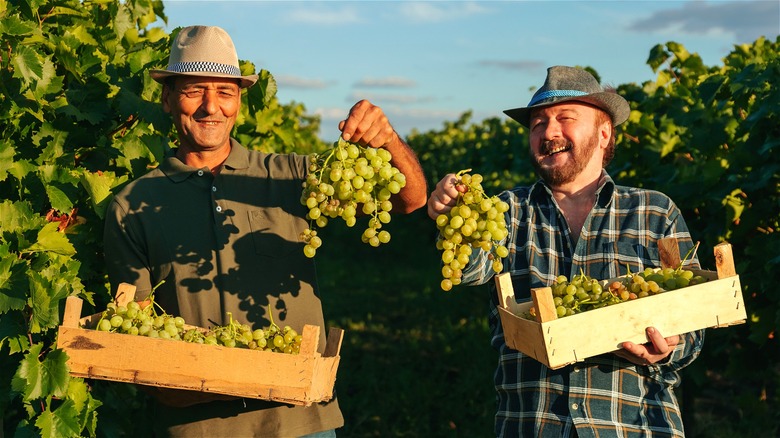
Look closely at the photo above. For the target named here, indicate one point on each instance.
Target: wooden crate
(557, 342)
(300, 379)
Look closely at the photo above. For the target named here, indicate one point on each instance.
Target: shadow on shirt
(225, 244)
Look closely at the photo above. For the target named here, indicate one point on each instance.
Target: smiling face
(568, 142)
(204, 111)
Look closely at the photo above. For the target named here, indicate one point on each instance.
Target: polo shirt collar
(177, 171)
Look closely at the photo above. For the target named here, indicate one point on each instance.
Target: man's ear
(605, 133)
(166, 92)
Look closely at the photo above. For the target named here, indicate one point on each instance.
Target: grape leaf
(35, 379)
(28, 65)
(13, 331)
(13, 284)
(98, 185)
(62, 422)
(58, 199)
(50, 239)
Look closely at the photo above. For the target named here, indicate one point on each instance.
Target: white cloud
(440, 11)
(388, 82)
(747, 20)
(323, 15)
(513, 65)
(289, 81)
(382, 99)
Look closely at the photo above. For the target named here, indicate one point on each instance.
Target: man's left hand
(658, 349)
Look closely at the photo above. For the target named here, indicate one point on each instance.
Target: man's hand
(658, 349)
(367, 125)
(443, 197)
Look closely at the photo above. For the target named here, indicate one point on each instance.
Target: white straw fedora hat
(569, 83)
(203, 51)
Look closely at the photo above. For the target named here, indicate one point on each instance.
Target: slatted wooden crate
(557, 342)
(301, 379)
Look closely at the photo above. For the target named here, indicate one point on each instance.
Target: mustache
(550, 145)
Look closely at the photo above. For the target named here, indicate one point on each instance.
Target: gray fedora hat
(203, 51)
(573, 84)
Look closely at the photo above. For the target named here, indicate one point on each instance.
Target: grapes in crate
(152, 321)
(583, 293)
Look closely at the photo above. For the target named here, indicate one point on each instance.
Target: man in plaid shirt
(575, 218)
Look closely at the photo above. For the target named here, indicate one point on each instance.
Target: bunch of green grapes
(135, 319)
(475, 222)
(653, 281)
(237, 335)
(584, 293)
(346, 181)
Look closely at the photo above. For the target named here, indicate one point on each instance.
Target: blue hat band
(555, 93)
(204, 67)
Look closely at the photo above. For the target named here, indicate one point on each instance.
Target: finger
(439, 204)
(659, 342)
(357, 127)
(447, 185)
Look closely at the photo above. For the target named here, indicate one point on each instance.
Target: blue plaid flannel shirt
(603, 396)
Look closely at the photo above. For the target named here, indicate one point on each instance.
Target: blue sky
(426, 63)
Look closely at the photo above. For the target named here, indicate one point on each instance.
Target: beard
(565, 173)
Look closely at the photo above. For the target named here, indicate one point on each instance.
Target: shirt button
(575, 406)
(213, 188)
(200, 173)
(219, 208)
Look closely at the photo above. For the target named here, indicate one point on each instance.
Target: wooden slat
(506, 293)
(333, 343)
(72, 312)
(669, 251)
(311, 340)
(125, 293)
(545, 307)
(724, 260)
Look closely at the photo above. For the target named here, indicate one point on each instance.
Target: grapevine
(475, 222)
(344, 182)
(150, 320)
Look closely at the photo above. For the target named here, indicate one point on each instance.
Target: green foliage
(79, 118)
(494, 148)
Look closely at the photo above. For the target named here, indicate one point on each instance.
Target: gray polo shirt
(224, 243)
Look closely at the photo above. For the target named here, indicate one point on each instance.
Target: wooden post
(311, 340)
(125, 293)
(545, 307)
(333, 343)
(724, 260)
(72, 312)
(669, 251)
(506, 293)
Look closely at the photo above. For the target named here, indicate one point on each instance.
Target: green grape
(344, 180)
(476, 222)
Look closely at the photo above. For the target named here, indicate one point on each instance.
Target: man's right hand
(443, 197)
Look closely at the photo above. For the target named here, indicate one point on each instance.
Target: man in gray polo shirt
(220, 224)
